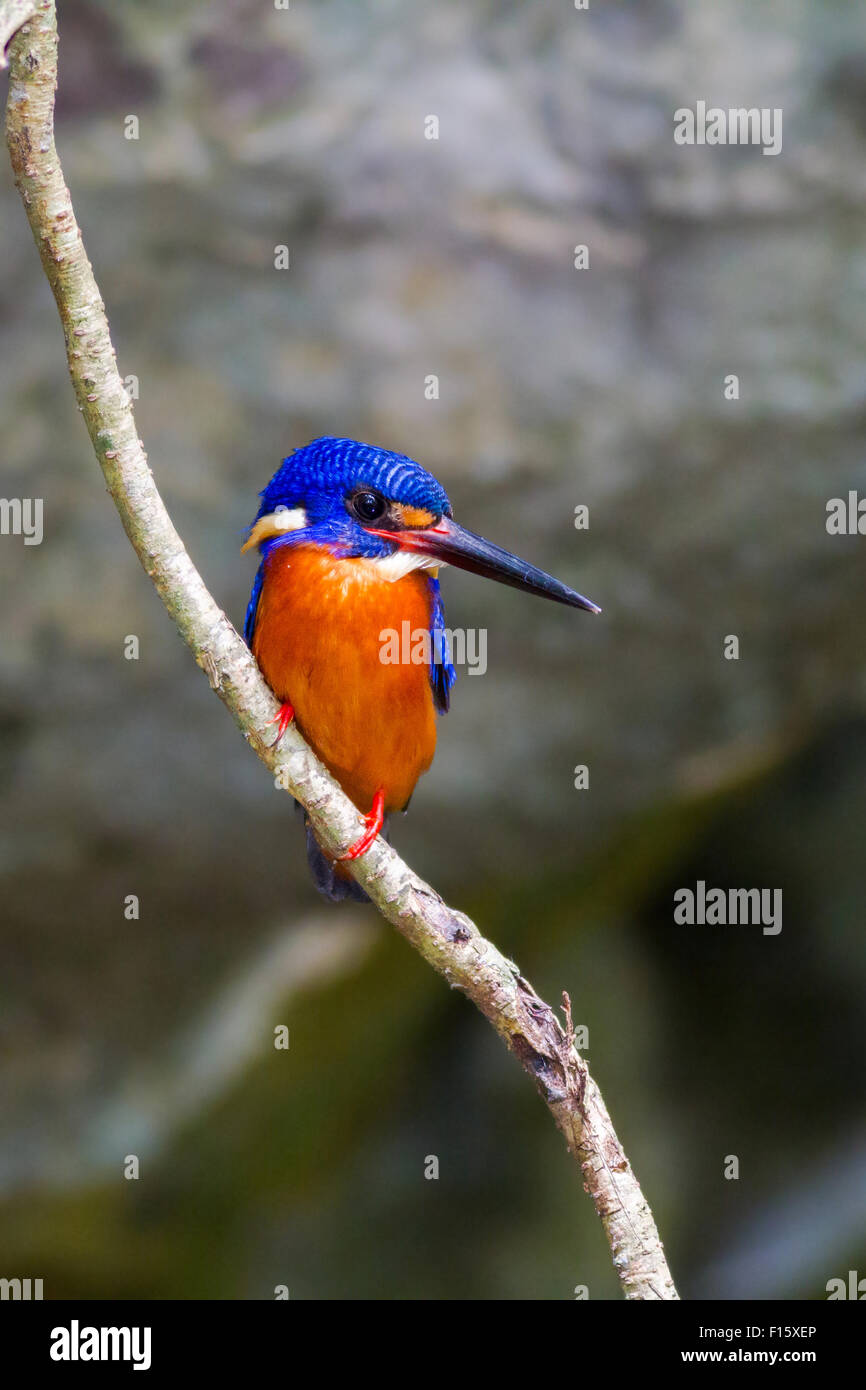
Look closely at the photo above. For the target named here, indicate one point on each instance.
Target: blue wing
(442, 673)
(252, 606)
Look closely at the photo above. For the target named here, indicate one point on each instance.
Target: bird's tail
(333, 881)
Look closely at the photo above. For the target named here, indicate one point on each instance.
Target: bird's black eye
(368, 506)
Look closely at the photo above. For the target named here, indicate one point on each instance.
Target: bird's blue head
(367, 503)
(342, 494)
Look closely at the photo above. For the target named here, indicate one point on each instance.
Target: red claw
(282, 719)
(374, 823)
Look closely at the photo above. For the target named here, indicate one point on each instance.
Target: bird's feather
(253, 605)
(442, 673)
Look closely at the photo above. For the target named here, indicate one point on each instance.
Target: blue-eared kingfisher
(351, 539)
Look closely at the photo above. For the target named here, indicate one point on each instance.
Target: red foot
(374, 823)
(282, 720)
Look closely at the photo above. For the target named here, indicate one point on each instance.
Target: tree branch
(446, 939)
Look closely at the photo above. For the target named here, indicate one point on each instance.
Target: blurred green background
(558, 387)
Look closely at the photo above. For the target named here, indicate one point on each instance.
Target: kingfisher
(351, 539)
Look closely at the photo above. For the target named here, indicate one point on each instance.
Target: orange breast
(318, 641)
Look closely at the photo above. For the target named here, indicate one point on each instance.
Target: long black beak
(454, 545)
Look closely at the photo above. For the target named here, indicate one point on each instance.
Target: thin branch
(445, 938)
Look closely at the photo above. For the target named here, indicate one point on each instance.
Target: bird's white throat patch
(403, 562)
